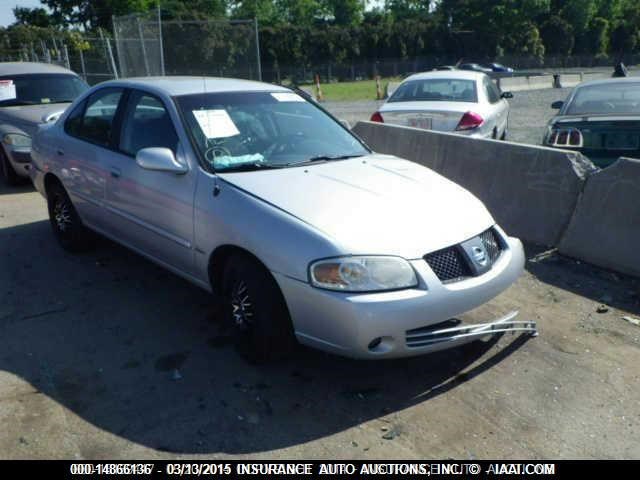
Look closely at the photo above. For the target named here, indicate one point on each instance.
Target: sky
(7, 6)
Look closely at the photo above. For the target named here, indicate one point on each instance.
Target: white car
(250, 191)
(463, 102)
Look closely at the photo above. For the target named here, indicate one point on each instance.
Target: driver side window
(147, 124)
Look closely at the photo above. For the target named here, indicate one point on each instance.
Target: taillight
(470, 120)
(565, 137)
(376, 117)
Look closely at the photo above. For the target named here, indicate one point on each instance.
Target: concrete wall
(516, 84)
(605, 228)
(542, 195)
(570, 79)
(531, 191)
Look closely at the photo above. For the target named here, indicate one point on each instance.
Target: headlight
(362, 274)
(17, 140)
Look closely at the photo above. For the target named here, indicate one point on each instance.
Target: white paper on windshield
(7, 90)
(215, 123)
(287, 97)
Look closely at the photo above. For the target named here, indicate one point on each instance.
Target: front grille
(448, 264)
(451, 265)
(492, 244)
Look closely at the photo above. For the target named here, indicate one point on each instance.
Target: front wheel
(65, 222)
(9, 174)
(256, 310)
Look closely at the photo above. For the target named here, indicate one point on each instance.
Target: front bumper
(20, 160)
(347, 324)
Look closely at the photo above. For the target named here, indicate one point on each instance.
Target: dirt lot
(104, 355)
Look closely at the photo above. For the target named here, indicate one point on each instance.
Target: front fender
(282, 242)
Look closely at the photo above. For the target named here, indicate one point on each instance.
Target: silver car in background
(251, 192)
(463, 102)
(30, 94)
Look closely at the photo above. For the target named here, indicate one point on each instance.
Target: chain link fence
(92, 58)
(148, 45)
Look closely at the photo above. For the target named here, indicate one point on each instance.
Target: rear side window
(96, 122)
(492, 91)
(147, 124)
(74, 120)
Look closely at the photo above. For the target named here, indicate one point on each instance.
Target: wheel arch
(218, 260)
(50, 179)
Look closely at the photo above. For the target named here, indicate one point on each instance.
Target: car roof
(185, 85)
(20, 68)
(453, 74)
(609, 81)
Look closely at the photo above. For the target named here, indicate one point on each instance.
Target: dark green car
(600, 119)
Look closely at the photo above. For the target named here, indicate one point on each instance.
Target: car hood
(28, 117)
(376, 204)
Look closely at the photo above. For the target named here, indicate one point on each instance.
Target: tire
(10, 176)
(72, 235)
(503, 137)
(256, 311)
(494, 135)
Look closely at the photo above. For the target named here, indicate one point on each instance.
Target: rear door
(84, 152)
(151, 211)
(499, 107)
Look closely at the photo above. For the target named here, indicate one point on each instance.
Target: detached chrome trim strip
(502, 325)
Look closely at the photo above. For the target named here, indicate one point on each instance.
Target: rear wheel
(9, 174)
(256, 310)
(503, 137)
(65, 222)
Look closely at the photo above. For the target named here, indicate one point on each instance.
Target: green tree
(38, 17)
(346, 12)
(597, 37)
(557, 36)
(92, 14)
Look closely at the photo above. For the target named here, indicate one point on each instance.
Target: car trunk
(440, 116)
(605, 139)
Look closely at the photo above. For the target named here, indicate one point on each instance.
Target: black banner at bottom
(315, 469)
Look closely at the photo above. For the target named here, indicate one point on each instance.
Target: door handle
(59, 152)
(115, 172)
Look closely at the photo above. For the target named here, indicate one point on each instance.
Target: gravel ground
(530, 112)
(104, 355)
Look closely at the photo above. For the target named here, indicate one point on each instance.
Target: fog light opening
(373, 344)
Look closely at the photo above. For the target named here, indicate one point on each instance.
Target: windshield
(622, 97)
(436, 90)
(37, 89)
(253, 130)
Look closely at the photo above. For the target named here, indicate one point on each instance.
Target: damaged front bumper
(431, 336)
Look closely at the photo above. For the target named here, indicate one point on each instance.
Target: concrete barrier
(531, 191)
(570, 79)
(595, 76)
(605, 228)
(516, 84)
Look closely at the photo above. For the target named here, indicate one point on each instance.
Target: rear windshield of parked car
(263, 129)
(622, 97)
(38, 89)
(436, 90)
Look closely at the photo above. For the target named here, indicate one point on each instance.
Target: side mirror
(506, 95)
(557, 105)
(159, 159)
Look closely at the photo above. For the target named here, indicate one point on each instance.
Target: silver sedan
(30, 94)
(252, 192)
(462, 102)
